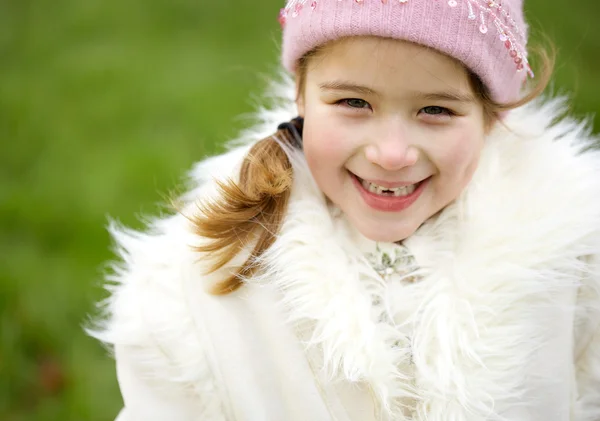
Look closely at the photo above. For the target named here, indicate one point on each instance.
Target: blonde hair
(251, 210)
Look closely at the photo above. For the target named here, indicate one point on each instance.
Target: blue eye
(355, 103)
(435, 110)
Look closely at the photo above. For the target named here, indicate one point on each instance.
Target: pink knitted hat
(488, 36)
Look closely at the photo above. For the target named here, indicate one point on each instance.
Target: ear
(300, 105)
(300, 101)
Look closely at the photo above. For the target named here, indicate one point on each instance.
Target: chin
(385, 235)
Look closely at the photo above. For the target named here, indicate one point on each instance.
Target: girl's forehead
(386, 62)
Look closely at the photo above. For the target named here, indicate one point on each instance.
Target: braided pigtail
(250, 211)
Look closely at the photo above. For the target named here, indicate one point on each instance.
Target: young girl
(418, 240)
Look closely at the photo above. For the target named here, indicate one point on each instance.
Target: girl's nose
(392, 152)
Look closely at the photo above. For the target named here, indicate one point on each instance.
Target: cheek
(324, 146)
(460, 156)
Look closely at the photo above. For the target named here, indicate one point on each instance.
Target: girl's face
(392, 132)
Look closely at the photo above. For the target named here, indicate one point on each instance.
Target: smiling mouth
(390, 198)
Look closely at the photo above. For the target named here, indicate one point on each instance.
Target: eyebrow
(452, 96)
(446, 96)
(337, 85)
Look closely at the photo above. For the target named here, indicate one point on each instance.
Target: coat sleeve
(588, 380)
(145, 401)
(161, 351)
(587, 346)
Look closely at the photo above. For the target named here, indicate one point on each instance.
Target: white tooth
(396, 191)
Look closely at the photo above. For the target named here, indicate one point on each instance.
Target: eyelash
(444, 110)
(345, 103)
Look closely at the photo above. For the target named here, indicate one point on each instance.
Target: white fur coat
(503, 324)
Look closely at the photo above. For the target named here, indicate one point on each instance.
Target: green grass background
(104, 104)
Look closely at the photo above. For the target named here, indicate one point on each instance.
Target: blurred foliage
(104, 104)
